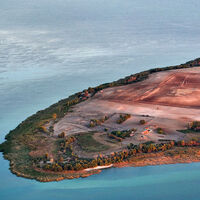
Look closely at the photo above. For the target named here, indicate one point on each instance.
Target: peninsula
(148, 118)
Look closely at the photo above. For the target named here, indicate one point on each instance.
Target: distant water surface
(50, 49)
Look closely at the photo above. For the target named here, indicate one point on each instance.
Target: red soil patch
(179, 88)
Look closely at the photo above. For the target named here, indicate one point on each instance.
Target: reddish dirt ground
(180, 88)
(168, 99)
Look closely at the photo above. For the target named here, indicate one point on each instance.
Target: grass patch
(89, 144)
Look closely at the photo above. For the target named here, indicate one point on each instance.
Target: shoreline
(163, 159)
(31, 135)
(190, 155)
(99, 167)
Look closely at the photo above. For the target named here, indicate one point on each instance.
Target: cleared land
(167, 99)
(143, 119)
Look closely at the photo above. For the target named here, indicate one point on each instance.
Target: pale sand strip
(99, 167)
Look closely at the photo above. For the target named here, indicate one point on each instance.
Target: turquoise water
(50, 49)
(159, 182)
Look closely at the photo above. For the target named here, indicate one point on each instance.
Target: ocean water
(50, 49)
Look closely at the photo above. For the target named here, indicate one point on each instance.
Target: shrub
(122, 134)
(123, 118)
(61, 135)
(46, 155)
(42, 129)
(54, 116)
(160, 131)
(96, 122)
(142, 122)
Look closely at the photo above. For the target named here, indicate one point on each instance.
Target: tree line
(132, 150)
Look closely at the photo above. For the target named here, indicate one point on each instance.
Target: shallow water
(51, 49)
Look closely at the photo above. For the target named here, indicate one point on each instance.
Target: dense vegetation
(195, 126)
(121, 134)
(117, 157)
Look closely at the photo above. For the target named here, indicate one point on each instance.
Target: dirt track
(179, 88)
